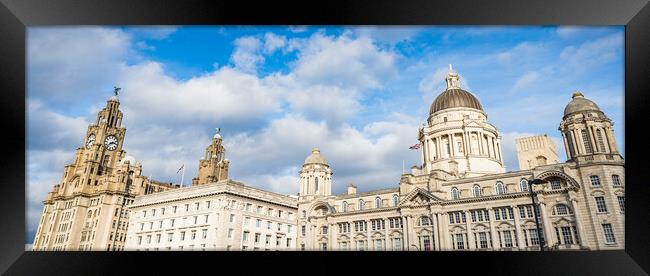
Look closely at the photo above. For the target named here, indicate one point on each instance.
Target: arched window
(454, 193)
(316, 183)
(377, 202)
(361, 204)
(424, 221)
(586, 141)
(556, 184)
(395, 200)
(345, 206)
(601, 143)
(561, 209)
(304, 214)
(523, 185)
(477, 190)
(500, 189)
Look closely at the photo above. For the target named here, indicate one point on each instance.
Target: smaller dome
(315, 157)
(129, 159)
(113, 99)
(579, 103)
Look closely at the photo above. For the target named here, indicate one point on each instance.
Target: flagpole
(183, 175)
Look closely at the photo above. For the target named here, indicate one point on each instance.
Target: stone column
(576, 212)
(468, 225)
(368, 240)
(519, 236)
(422, 155)
(444, 236)
(334, 243)
(495, 242)
(405, 236)
(452, 147)
(386, 235)
(566, 146)
(425, 148)
(548, 234)
(611, 140)
(583, 147)
(436, 237)
(411, 233)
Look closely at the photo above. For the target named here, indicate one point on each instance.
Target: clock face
(91, 141)
(111, 142)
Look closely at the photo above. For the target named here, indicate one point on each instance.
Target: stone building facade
(461, 197)
(86, 209)
(536, 151)
(224, 215)
(213, 215)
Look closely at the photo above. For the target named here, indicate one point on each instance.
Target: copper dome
(455, 97)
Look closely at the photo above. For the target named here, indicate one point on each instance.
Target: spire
(452, 80)
(217, 135)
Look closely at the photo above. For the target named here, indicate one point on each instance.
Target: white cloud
(592, 53)
(525, 80)
(568, 31)
(519, 53)
(273, 42)
(154, 32)
(387, 34)
(344, 62)
(246, 56)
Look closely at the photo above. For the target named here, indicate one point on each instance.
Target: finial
(577, 94)
(116, 90)
(452, 80)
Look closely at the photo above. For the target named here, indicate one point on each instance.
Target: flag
(179, 169)
(416, 146)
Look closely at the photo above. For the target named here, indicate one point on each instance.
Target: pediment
(419, 197)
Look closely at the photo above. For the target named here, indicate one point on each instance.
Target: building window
(232, 217)
(586, 141)
(523, 185)
(361, 204)
(304, 214)
(268, 239)
(426, 243)
(204, 233)
(477, 190)
(395, 223)
(616, 180)
(621, 203)
(361, 245)
(601, 143)
(424, 221)
(379, 245)
(397, 244)
(377, 224)
(187, 207)
(182, 235)
(561, 209)
(245, 236)
(344, 206)
(288, 228)
(609, 233)
(268, 224)
(395, 200)
(556, 184)
(230, 231)
(248, 207)
(279, 226)
(174, 208)
(258, 223)
(157, 238)
(566, 235)
(454, 193)
(193, 234)
(595, 180)
(500, 189)
(460, 241)
(600, 204)
(344, 227)
(139, 239)
(503, 213)
(303, 229)
(324, 230)
(246, 221)
(170, 237)
(377, 202)
(360, 226)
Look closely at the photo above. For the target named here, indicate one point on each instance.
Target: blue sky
(358, 93)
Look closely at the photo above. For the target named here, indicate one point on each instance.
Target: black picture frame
(17, 15)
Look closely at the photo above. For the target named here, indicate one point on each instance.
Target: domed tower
(587, 132)
(458, 139)
(315, 176)
(214, 165)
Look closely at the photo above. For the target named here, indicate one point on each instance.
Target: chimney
(352, 189)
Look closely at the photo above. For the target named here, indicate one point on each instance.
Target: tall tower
(86, 209)
(315, 176)
(536, 151)
(214, 165)
(458, 138)
(587, 132)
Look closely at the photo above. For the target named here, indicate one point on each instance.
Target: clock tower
(214, 165)
(86, 209)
